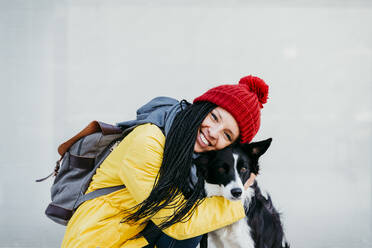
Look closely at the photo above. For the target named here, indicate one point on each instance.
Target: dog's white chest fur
(235, 235)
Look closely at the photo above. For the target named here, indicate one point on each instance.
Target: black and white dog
(225, 173)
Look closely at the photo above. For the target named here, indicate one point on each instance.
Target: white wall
(65, 63)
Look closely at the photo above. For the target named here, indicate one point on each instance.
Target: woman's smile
(203, 139)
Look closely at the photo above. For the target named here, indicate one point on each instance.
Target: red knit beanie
(243, 101)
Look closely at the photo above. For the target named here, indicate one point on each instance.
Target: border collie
(225, 172)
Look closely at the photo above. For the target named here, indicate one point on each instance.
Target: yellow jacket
(135, 163)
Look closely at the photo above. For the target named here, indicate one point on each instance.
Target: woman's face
(218, 130)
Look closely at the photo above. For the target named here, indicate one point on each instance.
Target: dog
(225, 173)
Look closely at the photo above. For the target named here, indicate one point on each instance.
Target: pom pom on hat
(258, 86)
(243, 101)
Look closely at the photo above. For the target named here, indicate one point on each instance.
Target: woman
(154, 162)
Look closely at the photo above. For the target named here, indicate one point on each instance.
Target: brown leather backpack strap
(107, 129)
(93, 127)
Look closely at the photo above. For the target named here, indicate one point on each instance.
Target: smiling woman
(162, 203)
(218, 130)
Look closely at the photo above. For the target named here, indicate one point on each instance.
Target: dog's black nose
(236, 192)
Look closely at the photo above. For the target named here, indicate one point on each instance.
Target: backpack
(80, 157)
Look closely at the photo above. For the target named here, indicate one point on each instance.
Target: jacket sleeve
(141, 157)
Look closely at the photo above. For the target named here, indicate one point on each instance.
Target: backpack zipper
(115, 145)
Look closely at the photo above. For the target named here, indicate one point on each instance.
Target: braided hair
(173, 177)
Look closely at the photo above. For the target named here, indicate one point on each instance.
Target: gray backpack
(80, 157)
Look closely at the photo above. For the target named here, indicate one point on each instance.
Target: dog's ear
(202, 162)
(204, 159)
(256, 149)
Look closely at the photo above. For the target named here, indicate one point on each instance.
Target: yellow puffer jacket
(135, 163)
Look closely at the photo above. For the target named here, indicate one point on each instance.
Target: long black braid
(173, 177)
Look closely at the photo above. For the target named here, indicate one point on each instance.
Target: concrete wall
(65, 63)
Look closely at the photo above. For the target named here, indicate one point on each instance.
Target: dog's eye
(221, 170)
(243, 169)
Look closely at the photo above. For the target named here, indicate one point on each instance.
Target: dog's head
(225, 171)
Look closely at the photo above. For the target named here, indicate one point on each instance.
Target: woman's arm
(140, 157)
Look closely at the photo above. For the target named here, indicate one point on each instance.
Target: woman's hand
(250, 181)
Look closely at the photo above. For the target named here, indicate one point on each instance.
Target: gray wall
(65, 63)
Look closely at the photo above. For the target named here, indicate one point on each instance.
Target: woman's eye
(214, 116)
(228, 137)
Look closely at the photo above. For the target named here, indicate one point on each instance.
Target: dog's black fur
(263, 219)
